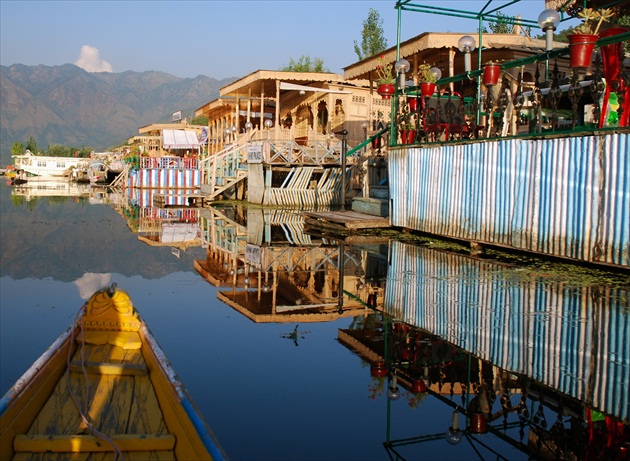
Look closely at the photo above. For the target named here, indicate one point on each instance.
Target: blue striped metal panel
(572, 338)
(164, 178)
(566, 197)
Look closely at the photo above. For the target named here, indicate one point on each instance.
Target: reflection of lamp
(548, 21)
(266, 287)
(268, 123)
(453, 436)
(437, 72)
(402, 67)
(248, 126)
(246, 281)
(393, 393)
(466, 45)
(364, 125)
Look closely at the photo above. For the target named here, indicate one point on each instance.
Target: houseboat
(41, 165)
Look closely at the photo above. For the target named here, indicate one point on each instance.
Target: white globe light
(466, 44)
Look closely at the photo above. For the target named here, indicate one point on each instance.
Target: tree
(502, 25)
(202, 120)
(32, 145)
(373, 39)
(305, 64)
(17, 148)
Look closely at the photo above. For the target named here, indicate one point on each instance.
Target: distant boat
(136, 407)
(19, 178)
(45, 166)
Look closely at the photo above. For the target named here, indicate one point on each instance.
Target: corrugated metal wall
(566, 197)
(573, 339)
(164, 178)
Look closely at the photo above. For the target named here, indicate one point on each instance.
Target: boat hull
(135, 405)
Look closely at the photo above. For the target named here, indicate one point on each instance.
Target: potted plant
(491, 73)
(385, 78)
(407, 132)
(582, 40)
(427, 76)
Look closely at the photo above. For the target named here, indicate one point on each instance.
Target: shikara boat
(103, 390)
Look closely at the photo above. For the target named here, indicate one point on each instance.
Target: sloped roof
(434, 47)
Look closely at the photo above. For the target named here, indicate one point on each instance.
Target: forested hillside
(69, 106)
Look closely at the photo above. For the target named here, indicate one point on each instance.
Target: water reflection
(535, 360)
(279, 273)
(541, 355)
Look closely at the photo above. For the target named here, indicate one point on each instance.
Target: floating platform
(345, 221)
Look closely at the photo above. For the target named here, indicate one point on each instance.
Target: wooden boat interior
(101, 391)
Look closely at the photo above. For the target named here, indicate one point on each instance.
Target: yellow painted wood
(23, 410)
(109, 368)
(124, 339)
(189, 445)
(90, 443)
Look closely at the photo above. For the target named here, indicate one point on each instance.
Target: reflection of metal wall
(570, 338)
(166, 178)
(567, 197)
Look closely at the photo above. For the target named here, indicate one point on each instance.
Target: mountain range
(70, 106)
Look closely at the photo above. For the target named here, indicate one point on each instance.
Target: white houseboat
(40, 165)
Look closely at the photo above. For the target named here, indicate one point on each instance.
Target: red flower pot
(403, 136)
(491, 74)
(419, 386)
(427, 89)
(411, 136)
(386, 90)
(581, 48)
(378, 369)
(413, 104)
(478, 423)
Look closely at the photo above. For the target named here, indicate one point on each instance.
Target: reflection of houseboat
(41, 165)
(41, 187)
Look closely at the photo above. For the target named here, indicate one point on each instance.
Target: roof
(264, 81)
(434, 47)
(180, 139)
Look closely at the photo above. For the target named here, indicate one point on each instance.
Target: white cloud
(90, 60)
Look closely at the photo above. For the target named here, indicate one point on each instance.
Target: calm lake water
(247, 307)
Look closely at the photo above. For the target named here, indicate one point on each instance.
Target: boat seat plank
(104, 368)
(123, 339)
(90, 443)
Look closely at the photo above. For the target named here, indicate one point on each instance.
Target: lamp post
(454, 436)
(467, 45)
(402, 67)
(393, 393)
(548, 21)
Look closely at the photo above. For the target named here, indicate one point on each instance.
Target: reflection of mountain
(36, 238)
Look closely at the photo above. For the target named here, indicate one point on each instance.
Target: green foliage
(202, 121)
(305, 64)
(17, 148)
(502, 25)
(625, 21)
(373, 39)
(59, 150)
(32, 145)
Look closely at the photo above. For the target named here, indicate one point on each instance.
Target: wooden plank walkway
(345, 221)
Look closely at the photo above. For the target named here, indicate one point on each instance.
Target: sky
(215, 38)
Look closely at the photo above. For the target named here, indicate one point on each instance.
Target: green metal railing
(487, 13)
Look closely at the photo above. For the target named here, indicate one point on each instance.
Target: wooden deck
(345, 221)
